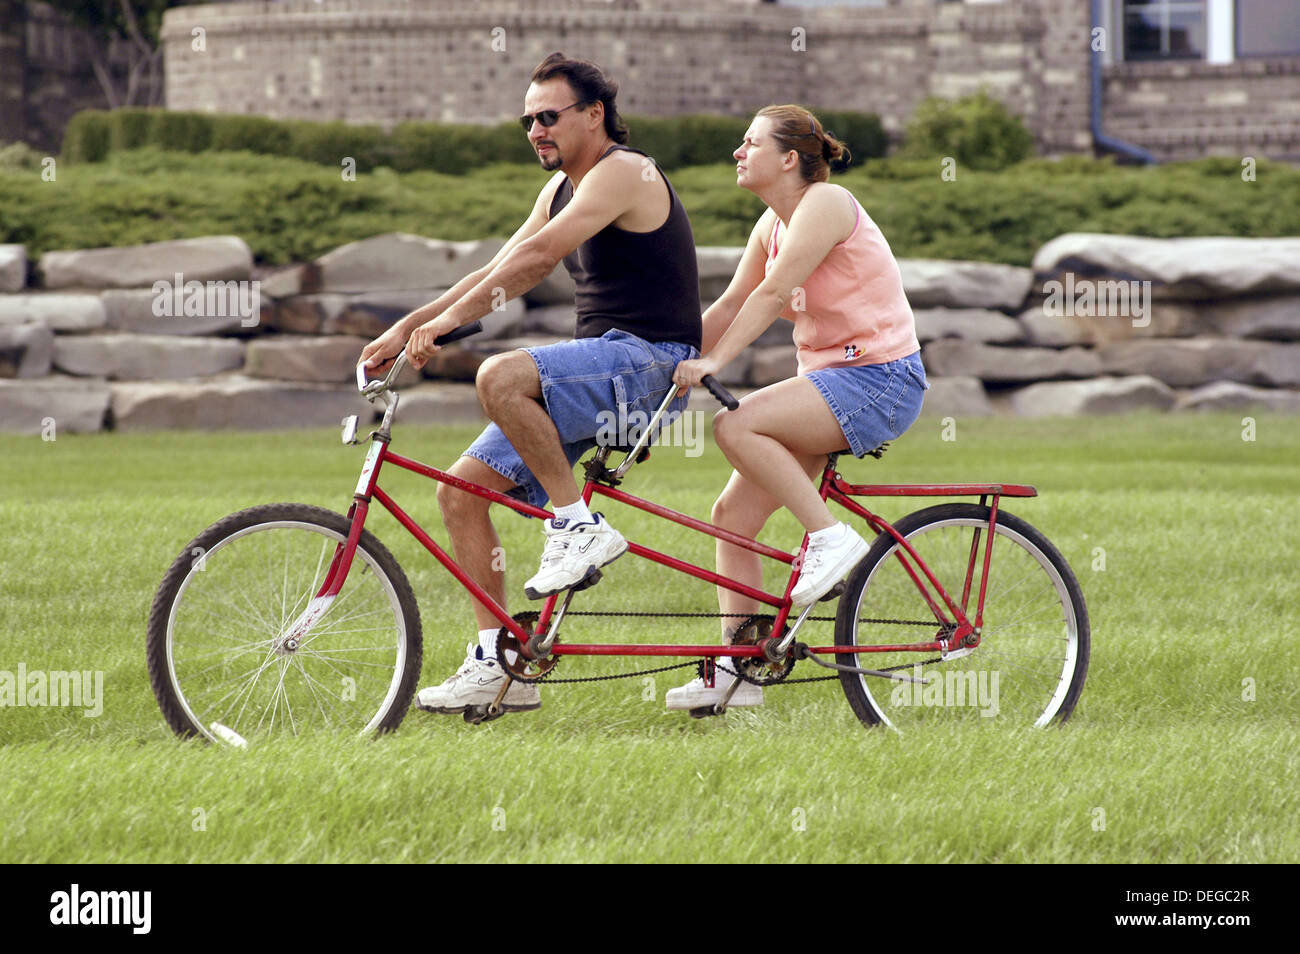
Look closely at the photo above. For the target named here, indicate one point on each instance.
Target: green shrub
(659, 138)
(978, 131)
(258, 134)
(18, 156)
(863, 133)
(130, 128)
(87, 136)
(330, 142)
(181, 132)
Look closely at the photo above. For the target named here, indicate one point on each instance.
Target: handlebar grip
(464, 331)
(719, 392)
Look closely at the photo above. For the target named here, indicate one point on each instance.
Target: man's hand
(688, 374)
(379, 354)
(420, 346)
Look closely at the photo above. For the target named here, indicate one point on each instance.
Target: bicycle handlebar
(719, 392)
(377, 385)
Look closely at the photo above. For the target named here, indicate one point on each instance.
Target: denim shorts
(873, 403)
(595, 390)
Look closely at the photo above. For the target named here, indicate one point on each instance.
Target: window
(1165, 29)
(1268, 28)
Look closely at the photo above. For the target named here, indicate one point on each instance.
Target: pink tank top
(853, 310)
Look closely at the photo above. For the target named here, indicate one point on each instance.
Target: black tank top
(644, 283)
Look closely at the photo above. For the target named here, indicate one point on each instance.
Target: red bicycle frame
(952, 615)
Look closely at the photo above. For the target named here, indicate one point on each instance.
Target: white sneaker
(695, 694)
(477, 683)
(574, 552)
(827, 564)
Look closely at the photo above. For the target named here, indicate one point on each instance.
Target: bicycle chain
(699, 664)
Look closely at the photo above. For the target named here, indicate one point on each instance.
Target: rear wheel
(1032, 658)
(233, 654)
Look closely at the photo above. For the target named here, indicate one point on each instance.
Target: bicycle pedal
(477, 714)
(591, 580)
(835, 592)
(703, 712)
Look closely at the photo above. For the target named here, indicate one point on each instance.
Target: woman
(814, 258)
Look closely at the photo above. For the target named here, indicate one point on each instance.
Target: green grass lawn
(1184, 536)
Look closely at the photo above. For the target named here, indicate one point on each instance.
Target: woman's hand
(688, 374)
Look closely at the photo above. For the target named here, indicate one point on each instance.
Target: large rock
(134, 310)
(973, 324)
(402, 261)
(737, 371)
(60, 312)
(234, 402)
(53, 404)
(955, 357)
(215, 258)
(1096, 396)
(551, 320)
(26, 351)
(956, 397)
(1161, 319)
(324, 360)
(146, 357)
(291, 281)
(1275, 316)
(1209, 267)
(1230, 396)
(13, 268)
(1195, 361)
(770, 365)
(295, 316)
(502, 345)
(454, 363)
(440, 403)
(934, 283)
(372, 313)
(717, 265)
(556, 288)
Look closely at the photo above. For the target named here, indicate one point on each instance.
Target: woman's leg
(770, 439)
(745, 508)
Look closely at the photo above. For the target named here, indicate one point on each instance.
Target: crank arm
(897, 677)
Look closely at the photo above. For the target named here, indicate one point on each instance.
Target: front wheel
(1032, 657)
(235, 653)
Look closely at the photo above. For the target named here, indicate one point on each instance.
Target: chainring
(523, 669)
(759, 670)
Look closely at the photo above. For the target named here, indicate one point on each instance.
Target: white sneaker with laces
(825, 564)
(695, 694)
(477, 683)
(574, 552)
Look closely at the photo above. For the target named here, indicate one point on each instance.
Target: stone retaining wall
(192, 334)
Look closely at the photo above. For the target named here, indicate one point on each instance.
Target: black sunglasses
(547, 117)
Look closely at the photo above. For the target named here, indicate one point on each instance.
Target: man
(623, 235)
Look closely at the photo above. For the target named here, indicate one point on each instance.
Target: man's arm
(606, 192)
(390, 343)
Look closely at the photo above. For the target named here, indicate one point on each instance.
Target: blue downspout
(1103, 141)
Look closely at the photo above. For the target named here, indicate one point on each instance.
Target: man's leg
(510, 389)
(474, 541)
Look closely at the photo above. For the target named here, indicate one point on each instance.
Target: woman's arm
(821, 221)
(749, 273)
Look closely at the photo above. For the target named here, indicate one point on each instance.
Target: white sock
(577, 512)
(830, 534)
(487, 638)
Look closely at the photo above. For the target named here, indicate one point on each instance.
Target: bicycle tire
(232, 594)
(1035, 640)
